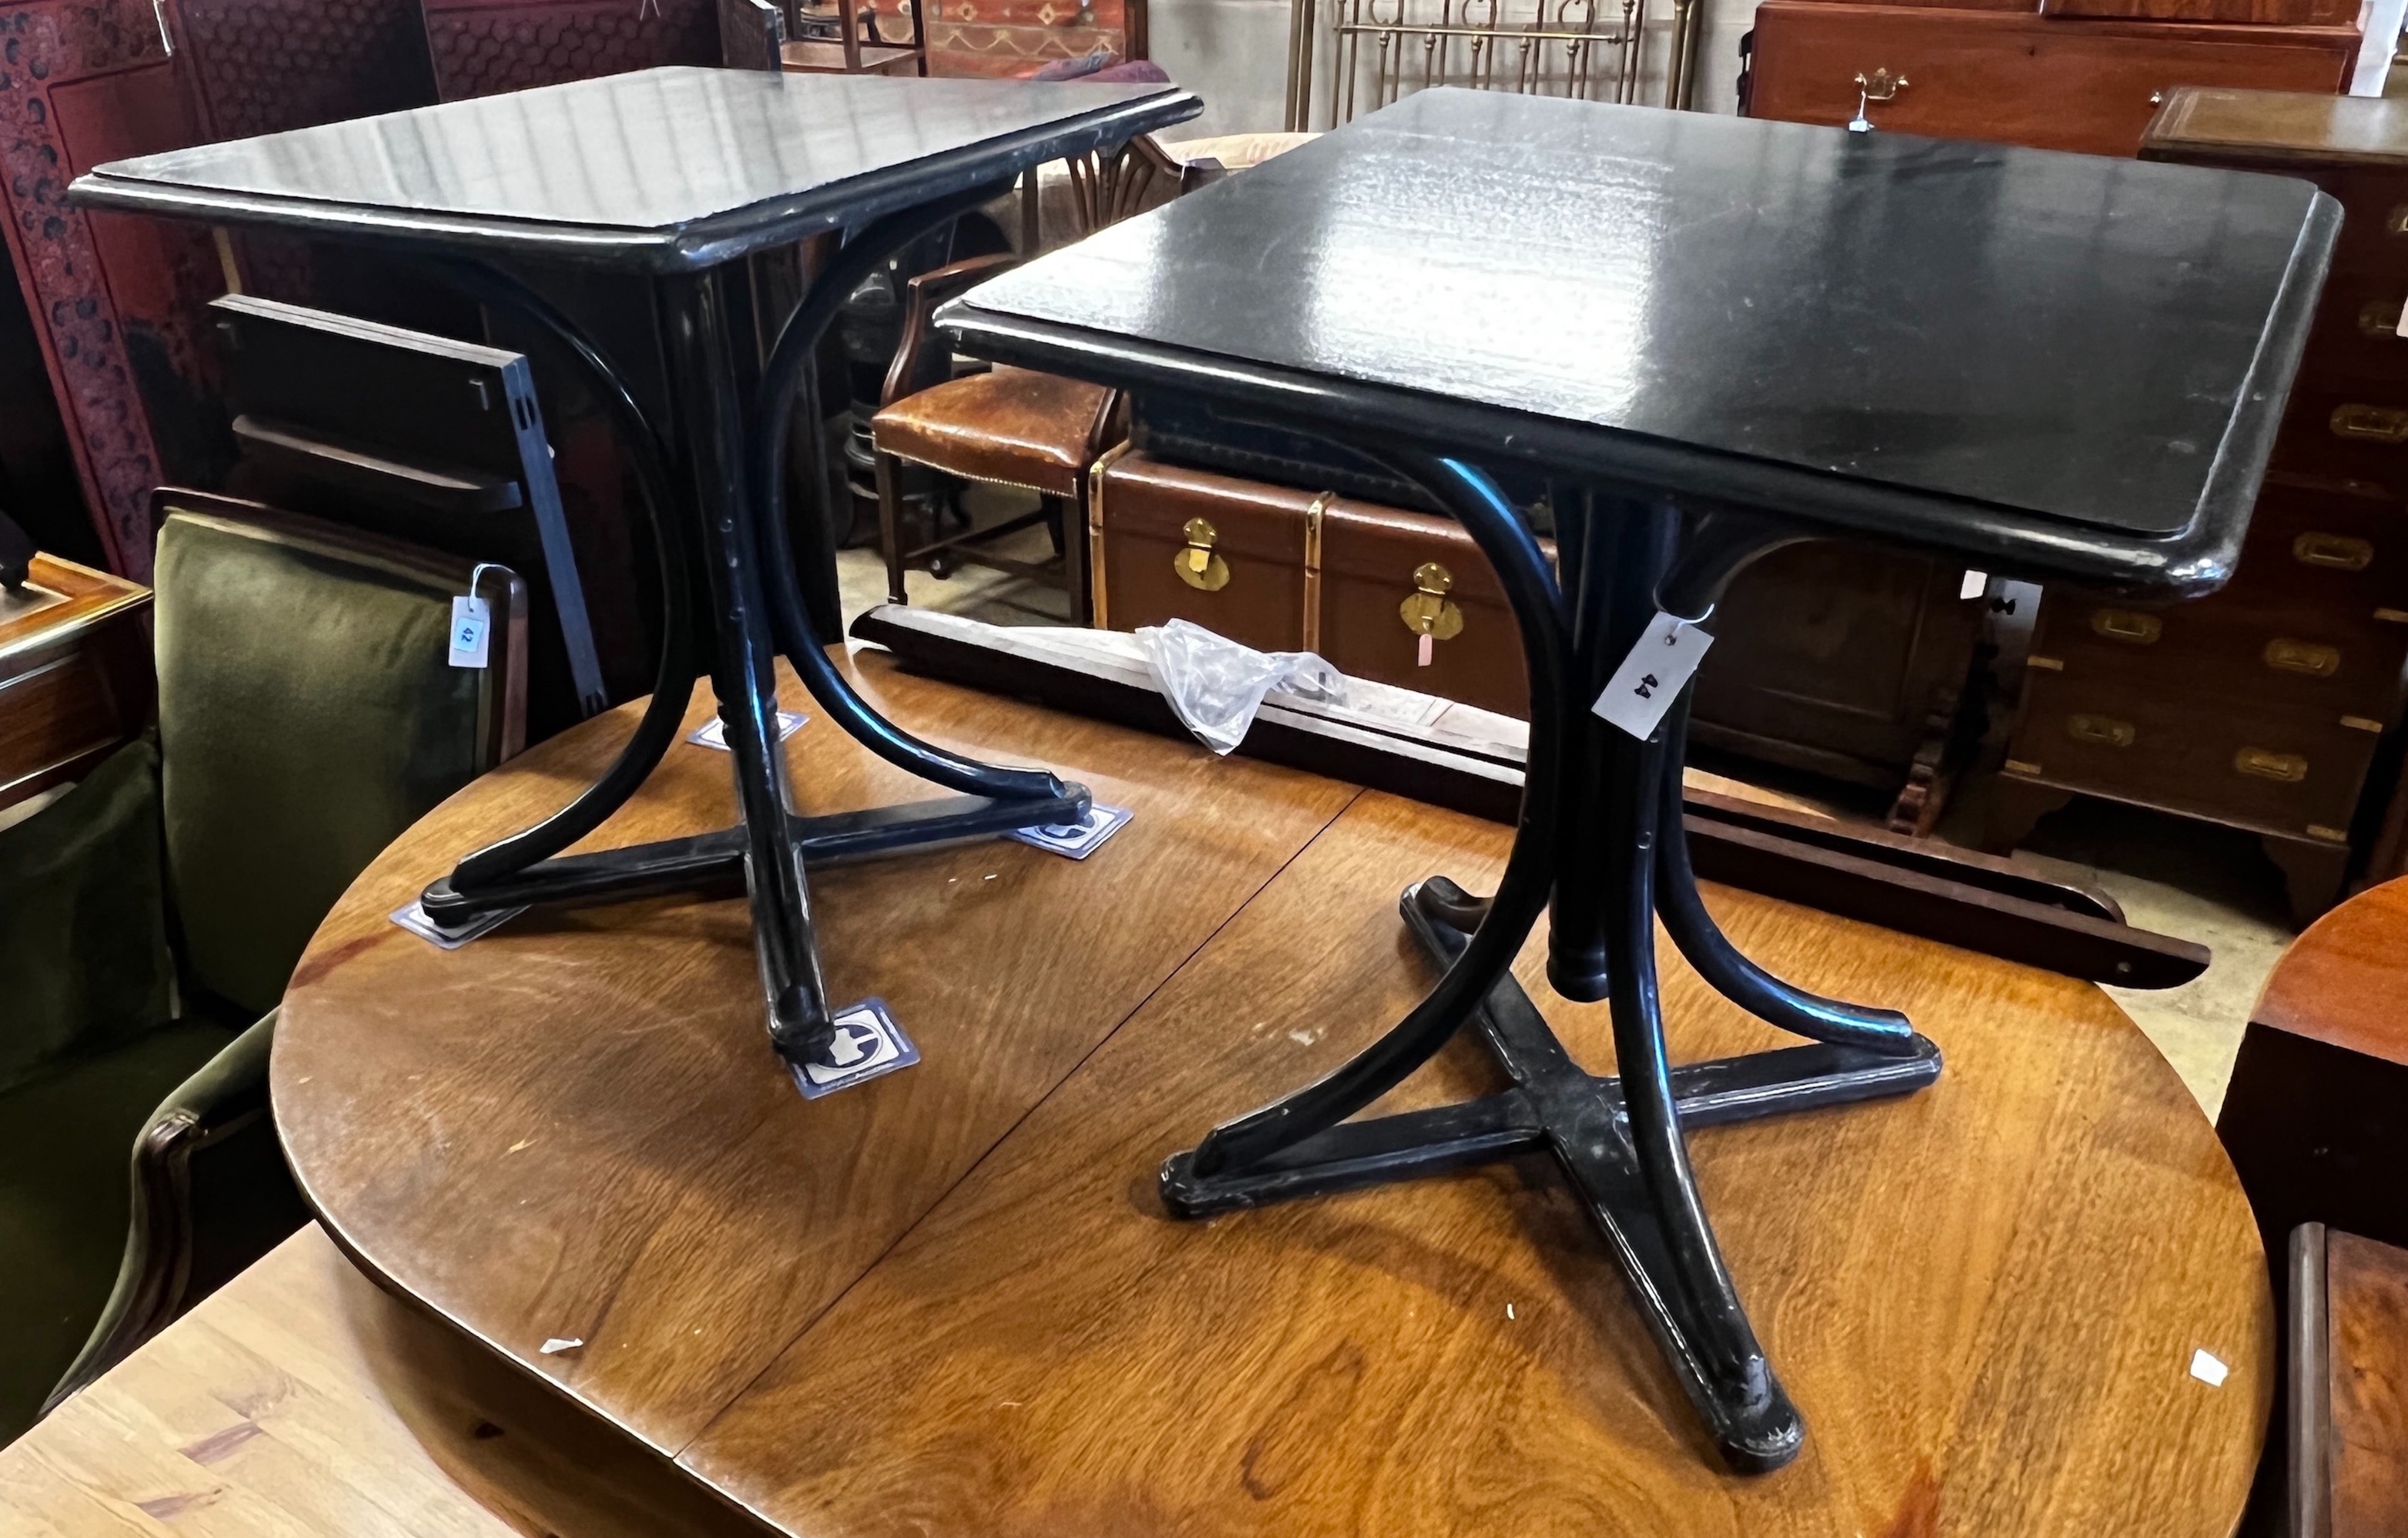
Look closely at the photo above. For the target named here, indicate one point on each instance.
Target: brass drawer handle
(2123, 625)
(2371, 424)
(2302, 656)
(2337, 551)
(2103, 730)
(2396, 222)
(2259, 764)
(1426, 609)
(2380, 318)
(1198, 565)
(1878, 86)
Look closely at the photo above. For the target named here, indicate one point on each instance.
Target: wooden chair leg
(1071, 524)
(890, 526)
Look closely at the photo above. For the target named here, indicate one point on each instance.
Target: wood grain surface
(1985, 1298)
(575, 1129)
(301, 1399)
(2367, 1292)
(2345, 981)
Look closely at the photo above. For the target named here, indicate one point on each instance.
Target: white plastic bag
(1216, 685)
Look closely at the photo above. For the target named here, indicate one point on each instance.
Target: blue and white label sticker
(714, 733)
(867, 1042)
(1651, 677)
(1077, 839)
(411, 916)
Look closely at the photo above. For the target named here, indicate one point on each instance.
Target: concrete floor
(2182, 878)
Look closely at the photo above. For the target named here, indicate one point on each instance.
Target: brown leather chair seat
(1010, 425)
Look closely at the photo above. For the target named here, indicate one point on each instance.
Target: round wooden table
(2027, 1301)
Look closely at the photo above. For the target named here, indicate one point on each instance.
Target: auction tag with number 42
(471, 624)
(1651, 677)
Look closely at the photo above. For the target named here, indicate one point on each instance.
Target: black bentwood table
(677, 174)
(1731, 336)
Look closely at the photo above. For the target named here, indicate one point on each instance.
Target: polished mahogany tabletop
(2053, 363)
(662, 170)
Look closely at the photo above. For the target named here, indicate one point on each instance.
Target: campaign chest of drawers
(2084, 75)
(2264, 706)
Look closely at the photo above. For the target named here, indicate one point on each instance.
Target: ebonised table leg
(730, 458)
(1614, 858)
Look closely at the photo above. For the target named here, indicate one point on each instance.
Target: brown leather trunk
(1320, 573)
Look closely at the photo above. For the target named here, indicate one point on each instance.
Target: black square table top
(2048, 364)
(661, 170)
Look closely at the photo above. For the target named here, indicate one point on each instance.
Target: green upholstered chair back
(308, 713)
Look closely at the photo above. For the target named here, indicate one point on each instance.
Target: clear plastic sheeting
(1217, 685)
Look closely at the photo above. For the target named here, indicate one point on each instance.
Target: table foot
(1581, 1119)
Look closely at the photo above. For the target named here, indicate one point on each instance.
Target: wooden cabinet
(2016, 77)
(75, 674)
(2264, 706)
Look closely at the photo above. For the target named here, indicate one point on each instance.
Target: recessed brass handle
(2124, 624)
(2099, 730)
(1198, 565)
(2380, 318)
(2336, 551)
(2302, 656)
(2263, 764)
(1426, 609)
(2371, 424)
(2396, 222)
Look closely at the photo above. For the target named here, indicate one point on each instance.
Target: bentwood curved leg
(475, 883)
(1705, 947)
(1702, 1327)
(781, 380)
(1521, 894)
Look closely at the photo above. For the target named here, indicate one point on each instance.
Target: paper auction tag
(1651, 677)
(471, 626)
(1077, 839)
(868, 1043)
(411, 916)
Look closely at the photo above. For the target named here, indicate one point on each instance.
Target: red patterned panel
(113, 300)
(481, 49)
(1011, 37)
(261, 67)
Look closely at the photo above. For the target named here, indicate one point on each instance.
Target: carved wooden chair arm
(919, 354)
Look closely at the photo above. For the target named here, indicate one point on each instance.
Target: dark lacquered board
(662, 170)
(2051, 364)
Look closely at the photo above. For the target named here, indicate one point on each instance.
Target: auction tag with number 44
(1651, 677)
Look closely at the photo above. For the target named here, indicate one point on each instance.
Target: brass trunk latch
(1198, 565)
(1426, 609)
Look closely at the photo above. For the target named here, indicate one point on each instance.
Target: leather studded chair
(1007, 426)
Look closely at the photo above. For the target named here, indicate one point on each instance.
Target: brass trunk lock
(1428, 610)
(1198, 565)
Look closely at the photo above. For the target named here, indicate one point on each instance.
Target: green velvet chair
(307, 715)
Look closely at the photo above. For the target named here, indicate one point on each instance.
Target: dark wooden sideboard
(2086, 77)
